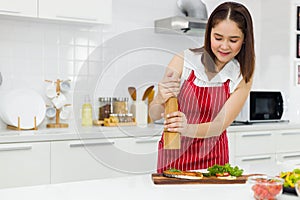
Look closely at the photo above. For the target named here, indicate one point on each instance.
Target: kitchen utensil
(171, 139)
(51, 91)
(59, 101)
(65, 113)
(265, 187)
(150, 99)
(25, 104)
(132, 92)
(50, 112)
(65, 86)
(139, 109)
(159, 179)
(147, 92)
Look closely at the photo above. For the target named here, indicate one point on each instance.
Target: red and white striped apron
(200, 105)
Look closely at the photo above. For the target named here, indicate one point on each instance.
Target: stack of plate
(23, 103)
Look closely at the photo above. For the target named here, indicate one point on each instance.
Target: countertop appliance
(262, 106)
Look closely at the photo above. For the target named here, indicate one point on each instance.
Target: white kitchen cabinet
(262, 149)
(83, 160)
(25, 8)
(24, 164)
(254, 150)
(254, 143)
(288, 141)
(102, 158)
(140, 153)
(89, 11)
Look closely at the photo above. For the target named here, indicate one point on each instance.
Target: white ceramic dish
(23, 103)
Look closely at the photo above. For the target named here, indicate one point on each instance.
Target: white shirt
(192, 62)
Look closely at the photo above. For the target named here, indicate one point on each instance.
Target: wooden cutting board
(159, 179)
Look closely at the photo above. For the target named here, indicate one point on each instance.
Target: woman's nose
(224, 45)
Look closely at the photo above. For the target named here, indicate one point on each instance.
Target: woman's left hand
(176, 122)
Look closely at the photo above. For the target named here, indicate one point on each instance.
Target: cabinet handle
(20, 148)
(256, 135)
(77, 18)
(140, 141)
(290, 156)
(10, 11)
(291, 133)
(91, 144)
(257, 158)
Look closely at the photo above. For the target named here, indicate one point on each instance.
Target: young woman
(211, 84)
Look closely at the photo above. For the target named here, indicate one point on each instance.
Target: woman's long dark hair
(241, 16)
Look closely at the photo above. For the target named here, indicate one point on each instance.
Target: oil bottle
(87, 114)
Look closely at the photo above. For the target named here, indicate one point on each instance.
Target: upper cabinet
(87, 11)
(90, 11)
(24, 8)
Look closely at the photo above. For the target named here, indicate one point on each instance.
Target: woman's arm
(176, 121)
(168, 87)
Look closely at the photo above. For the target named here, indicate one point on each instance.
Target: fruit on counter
(265, 188)
(290, 178)
(224, 170)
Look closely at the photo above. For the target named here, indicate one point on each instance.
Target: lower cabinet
(102, 158)
(24, 164)
(257, 151)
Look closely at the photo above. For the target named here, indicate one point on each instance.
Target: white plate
(23, 103)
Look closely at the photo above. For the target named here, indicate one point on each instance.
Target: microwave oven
(262, 106)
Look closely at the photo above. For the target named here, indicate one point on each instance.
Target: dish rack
(19, 125)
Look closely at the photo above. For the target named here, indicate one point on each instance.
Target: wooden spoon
(132, 92)
(147, 92)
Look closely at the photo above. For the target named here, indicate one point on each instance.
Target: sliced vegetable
(290, 178)
(224, 170)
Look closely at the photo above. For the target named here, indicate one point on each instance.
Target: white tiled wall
(32, 52)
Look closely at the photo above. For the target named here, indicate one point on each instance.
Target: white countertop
(57, 134)
(133, 187)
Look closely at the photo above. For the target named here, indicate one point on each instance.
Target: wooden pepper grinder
(171, 139)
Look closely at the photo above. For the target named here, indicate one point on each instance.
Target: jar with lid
(105, 107)
(120, 105)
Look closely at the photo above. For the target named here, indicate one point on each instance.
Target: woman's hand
(176, 122)
(168, 87)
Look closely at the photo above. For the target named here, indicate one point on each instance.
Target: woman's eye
(218, 39)
(233, 41)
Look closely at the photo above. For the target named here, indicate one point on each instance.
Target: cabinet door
(257, 164)
(231, 147)
(24, 164)
(140, 154)
(288, 141)
(83, 160)
(91, 11)
(26, 8)
(254, 143)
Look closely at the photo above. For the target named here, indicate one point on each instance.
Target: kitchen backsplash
(32, 52)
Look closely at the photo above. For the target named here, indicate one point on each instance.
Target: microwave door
(266, 106)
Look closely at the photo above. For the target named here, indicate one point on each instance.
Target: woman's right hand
(169, 86)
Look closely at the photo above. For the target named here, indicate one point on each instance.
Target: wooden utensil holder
(171, 139)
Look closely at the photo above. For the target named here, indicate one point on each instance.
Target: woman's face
(226, 41)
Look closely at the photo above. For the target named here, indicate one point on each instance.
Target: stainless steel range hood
(180, 24)
(192, 23)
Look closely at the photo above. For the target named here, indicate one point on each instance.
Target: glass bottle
(87, 114)
(105, 107)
